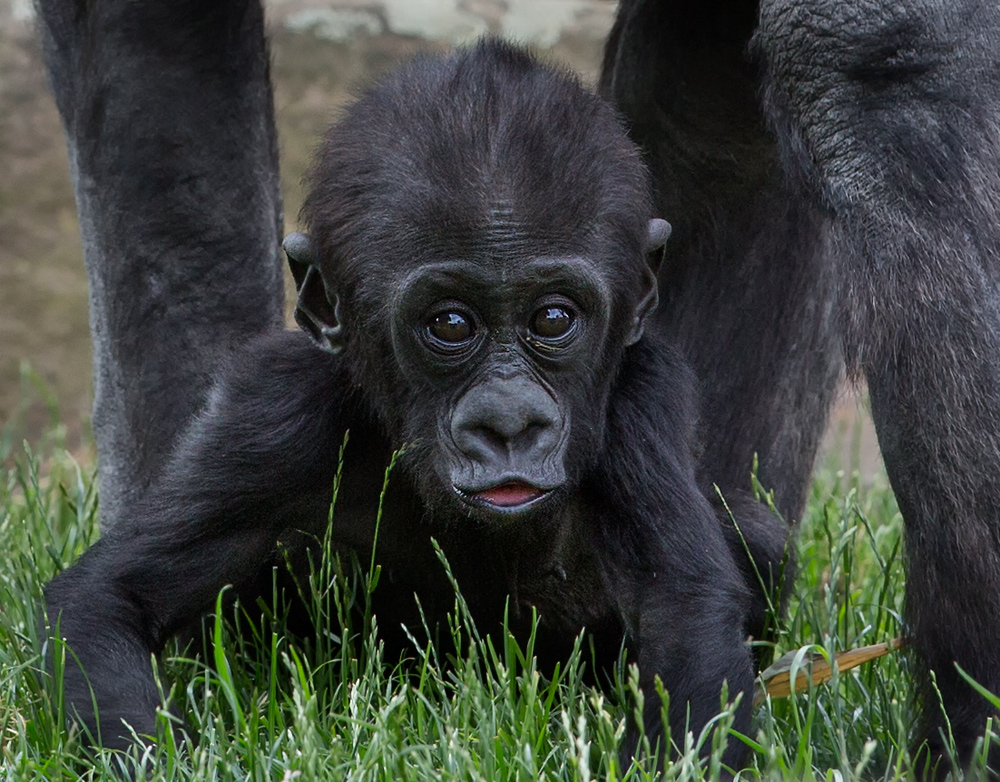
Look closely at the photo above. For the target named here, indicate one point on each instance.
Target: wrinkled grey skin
(176, 177)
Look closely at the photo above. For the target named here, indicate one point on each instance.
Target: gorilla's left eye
(552, 322)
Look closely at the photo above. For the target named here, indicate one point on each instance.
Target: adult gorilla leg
(747, 287)
(890, 111)
(169, 122)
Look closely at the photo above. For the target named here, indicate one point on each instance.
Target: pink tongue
(509, 494)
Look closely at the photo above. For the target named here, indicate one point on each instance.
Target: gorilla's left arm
(686, 606)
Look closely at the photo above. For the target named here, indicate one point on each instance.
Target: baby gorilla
(482, 265)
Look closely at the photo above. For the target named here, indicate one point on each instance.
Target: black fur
(853, 211)
(830, 167)
(489, 190)
(169, 122)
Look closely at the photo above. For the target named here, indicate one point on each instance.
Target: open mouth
(507, 496)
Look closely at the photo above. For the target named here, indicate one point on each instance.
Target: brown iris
(552, 322)
(452, 328)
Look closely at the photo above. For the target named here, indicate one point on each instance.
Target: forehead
(495, 276)
(508, 230)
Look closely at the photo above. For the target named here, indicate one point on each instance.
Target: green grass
(259, 704)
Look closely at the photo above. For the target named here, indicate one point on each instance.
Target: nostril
(491, 437)
(535, 434)
(478, 439)
(515, 431)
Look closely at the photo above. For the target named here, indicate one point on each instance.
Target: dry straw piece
(813, 668)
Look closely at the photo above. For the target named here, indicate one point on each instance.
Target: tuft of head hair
(446, 146)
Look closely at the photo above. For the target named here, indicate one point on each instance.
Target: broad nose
(505, 417)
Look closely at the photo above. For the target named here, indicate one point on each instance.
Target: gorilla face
(505, 356)
(494, 256)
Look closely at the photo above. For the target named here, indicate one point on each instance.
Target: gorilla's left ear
(316, 311)
(656, 240)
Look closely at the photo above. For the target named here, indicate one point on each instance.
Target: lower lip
(509, 495)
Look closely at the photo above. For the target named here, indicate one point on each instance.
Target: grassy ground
(258, 704)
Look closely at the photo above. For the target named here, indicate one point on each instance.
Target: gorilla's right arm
(261, 455)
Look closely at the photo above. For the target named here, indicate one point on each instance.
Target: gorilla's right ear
(656, 240)
(317, 311)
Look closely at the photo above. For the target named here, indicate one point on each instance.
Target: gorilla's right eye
(451, 328)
